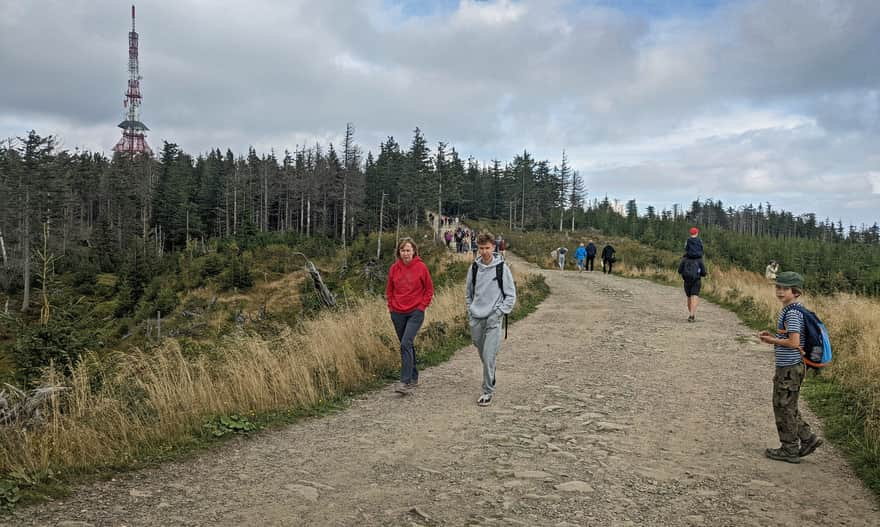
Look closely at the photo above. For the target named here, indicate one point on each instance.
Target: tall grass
(846, 394)
(134, 406)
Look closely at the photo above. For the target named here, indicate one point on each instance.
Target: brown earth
(611, 410)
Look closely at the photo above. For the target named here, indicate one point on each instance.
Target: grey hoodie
(486, 299)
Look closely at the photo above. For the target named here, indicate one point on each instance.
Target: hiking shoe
(485, 399)
(810, 445)
(780, 454)
(692, 318)
(403, 389)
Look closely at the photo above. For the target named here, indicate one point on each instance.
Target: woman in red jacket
(409, 291)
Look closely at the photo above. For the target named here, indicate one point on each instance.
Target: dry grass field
(134, 406)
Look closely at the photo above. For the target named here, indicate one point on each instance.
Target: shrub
(238, 274)
(105, 285)
(37, 346)
(212, 264)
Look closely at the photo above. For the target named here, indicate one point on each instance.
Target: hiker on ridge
(591, 255)
(771, 270)
(560, 257)
(490, 294)
(580, 255)
(608, 258)
(693, 248)
(409, 292)
(692, 270)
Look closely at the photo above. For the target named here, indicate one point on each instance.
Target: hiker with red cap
(693, 248)
(692, 270)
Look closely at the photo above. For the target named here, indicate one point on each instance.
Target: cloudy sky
(659, 100)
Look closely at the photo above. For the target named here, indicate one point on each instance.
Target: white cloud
(874, 178)
(489, 13)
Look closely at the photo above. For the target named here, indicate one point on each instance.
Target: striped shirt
(790, 320)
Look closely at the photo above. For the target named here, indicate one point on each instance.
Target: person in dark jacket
(608, 258)
(591, 255)
(693, 248)
(692, 270)
(409, 292)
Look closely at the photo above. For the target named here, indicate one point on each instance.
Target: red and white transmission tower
(133, 139)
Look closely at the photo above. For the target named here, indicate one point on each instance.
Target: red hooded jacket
(409, 286)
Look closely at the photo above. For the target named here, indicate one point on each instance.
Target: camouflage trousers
(789, 424)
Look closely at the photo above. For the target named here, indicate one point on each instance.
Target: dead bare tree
(327, 297)
(48, 261)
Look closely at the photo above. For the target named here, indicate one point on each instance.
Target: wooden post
(381, 212)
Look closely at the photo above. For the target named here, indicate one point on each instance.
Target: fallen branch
(22, 408)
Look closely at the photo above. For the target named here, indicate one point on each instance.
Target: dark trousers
(609, 262)
(790, 426)
(407, 325)
(590, 261)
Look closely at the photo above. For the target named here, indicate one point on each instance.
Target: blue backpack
(817, 343)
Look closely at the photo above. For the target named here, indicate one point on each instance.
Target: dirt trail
(611, 410)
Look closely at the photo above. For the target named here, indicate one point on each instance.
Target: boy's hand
(766, 337)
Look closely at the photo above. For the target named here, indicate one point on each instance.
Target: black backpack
(499, 277)
(690, 269)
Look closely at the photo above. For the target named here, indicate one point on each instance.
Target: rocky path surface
(611, 410)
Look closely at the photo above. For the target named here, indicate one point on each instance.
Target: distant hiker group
(465, 240)
(585, 257)
(490, 295)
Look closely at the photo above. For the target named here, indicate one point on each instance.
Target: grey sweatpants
(486, 335)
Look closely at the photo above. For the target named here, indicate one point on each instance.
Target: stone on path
(545, 497)
(605, 426)
(574, 486)
(134, 493)
(420, 513)
(531, 474)
(309, 493)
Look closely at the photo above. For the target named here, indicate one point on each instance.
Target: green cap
(789, 279)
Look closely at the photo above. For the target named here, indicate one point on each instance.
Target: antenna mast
(133, 139)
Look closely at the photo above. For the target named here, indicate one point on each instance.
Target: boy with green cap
(795, 434)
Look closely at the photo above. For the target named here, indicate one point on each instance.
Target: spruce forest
(85, 238)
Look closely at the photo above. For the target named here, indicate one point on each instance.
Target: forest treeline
(83, 212)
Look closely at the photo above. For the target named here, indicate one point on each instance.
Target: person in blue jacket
(580, 255)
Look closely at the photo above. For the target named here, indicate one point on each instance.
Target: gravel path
(611, 410)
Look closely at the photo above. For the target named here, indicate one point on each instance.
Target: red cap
(694, 231)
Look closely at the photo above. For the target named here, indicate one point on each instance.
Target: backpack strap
(804, 312)
(499, 276)
(474, 277)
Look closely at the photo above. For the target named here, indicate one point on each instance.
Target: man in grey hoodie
(487, 303)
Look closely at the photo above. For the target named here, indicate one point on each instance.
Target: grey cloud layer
(492, 78)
